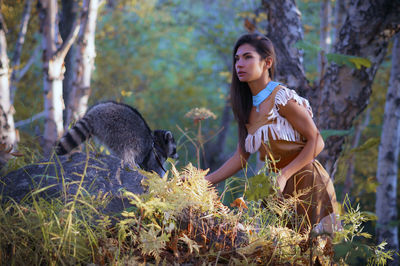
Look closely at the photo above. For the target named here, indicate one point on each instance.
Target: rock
(62, 176)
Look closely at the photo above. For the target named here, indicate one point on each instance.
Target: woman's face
(249, 65)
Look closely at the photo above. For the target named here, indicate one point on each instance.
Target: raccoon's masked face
(165, 143)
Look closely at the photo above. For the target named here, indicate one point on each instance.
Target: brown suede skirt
(316, 207)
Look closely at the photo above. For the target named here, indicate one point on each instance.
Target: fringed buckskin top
(282, 144)
(278, 126)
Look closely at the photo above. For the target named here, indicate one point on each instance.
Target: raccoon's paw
(59, 149)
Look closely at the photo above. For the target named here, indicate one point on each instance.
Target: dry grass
(175, 221)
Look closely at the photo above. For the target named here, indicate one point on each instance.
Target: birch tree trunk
(84, 63)
(7, 129)
(389, 148)
(53, 70)
(343, 92)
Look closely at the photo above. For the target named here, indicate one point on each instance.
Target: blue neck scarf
(262, 95)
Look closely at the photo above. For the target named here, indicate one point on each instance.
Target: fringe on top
(280, 129)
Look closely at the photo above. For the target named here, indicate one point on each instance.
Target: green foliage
(368, 144)
(348, 250)
(263, 183)
(326, 133)
(381, 257)
(258, 187)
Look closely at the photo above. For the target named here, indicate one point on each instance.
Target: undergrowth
(180, 219)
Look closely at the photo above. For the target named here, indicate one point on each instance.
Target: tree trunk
(84, 63)
(53, 71)
(68, 16)
(324, 37)
(387, 171)
(7, 129)
(343, 90)
(346, 91)
(284, 29)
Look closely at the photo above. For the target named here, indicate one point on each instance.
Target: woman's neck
(258, 85)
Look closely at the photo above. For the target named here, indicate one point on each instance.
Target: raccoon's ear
(168, 136)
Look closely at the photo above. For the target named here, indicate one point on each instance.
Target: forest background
(167, 57)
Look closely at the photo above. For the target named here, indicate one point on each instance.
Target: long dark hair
(241, 97)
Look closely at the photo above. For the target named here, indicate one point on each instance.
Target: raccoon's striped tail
(74, 137)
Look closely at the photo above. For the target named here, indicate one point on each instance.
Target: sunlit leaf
(368, 144)
(360, 61)
(350, 61)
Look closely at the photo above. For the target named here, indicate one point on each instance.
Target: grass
(175, 221)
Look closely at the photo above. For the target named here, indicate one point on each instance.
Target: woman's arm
(230, 167)
(302, 122)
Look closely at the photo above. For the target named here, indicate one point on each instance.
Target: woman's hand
(230, 167)
(281, 183)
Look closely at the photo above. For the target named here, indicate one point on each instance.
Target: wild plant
(179, 219)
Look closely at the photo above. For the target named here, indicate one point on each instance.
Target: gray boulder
(62, 175)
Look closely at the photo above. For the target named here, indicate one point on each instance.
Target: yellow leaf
(360, 61)
(125, 93)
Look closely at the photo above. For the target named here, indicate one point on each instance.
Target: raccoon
(125, 132)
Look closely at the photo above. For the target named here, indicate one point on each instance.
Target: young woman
(277, 123)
